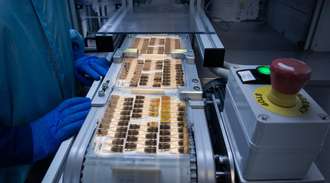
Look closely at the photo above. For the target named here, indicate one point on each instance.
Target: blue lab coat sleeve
(15, 146)
(36, 72)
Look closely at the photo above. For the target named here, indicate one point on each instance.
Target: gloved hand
(63, 122)
(91, 66)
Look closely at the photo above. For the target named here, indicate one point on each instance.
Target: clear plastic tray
(152, 62)
(137, 168)
(156, 44)
(158, 123)
(146, 124)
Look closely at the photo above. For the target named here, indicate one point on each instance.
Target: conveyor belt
(145, 114)
(145, 132)
(156, 72)
(142, 124)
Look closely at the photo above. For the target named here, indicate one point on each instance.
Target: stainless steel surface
(193, 90)
(56, 167)
(109, 79)
(111, 24)
(157, 16)
(75, 158)
(147, 22)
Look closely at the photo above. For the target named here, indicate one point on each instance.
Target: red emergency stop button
(289, 75)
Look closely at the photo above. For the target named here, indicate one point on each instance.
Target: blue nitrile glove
(93, 67)
(61, 123)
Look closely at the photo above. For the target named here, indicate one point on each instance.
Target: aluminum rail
(72, 170)
(55, 170)
(205, 159)
(229, 157)
(209, 46)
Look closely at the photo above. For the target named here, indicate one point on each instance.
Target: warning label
(246, 76)
(261, 98)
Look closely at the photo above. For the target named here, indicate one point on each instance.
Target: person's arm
(92, 67)
(42, 137)
(15, 142)
(15, 145)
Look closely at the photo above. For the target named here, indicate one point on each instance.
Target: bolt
(186, 98)
(222, 159)
(195, 80)
(189, 55)
(323, 116)
(197, 88)
(101, 93)
(263, 117)
(105, 86)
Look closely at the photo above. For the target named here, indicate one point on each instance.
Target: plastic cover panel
(156, 16)
(153, 67)
(142, 124)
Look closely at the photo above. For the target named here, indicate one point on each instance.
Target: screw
(222, 159)
(195, 80)
(323, 116)
(197, 88)
(189, 55)
(101, 93)
(263, 117)
(105, 86)
(186, 98)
